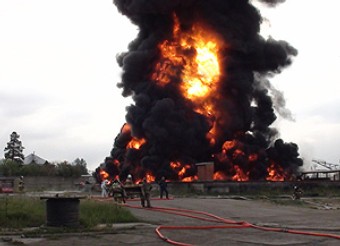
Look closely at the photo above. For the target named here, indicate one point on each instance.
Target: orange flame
(252, 157)
(126, 128)
(150, 177)
(219, 176)
(181, 171)
(275, 173)
(240, 175)
(191, 58)
(237, 153)
(103, 174)
(190, 179)
(196, 52)
(175, 164)
(228, 145)
(135, 143)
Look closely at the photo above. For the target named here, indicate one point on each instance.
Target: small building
(33, 158)
(205, 171)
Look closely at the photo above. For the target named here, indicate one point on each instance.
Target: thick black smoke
(172, 129)
(272, 2)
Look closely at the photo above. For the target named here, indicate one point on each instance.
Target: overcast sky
(58, 76)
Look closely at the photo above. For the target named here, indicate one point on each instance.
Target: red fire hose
(200, 215)
(217, 219)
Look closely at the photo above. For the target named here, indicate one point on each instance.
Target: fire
(135, 143)
(126, 128)
(150, 177)
(175, 164)
(196, 53)
(182, 171)
(201, 75)
(228, 145)
(198, 76)
(190, 179)
(237, 153)
(275, 173)
(252, 157)
(240, 175)
(219, 176)
(103, 174)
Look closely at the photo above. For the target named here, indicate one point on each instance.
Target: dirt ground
(306, 222)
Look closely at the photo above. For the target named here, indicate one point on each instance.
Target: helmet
(129, 176)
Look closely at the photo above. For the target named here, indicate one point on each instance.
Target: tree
(14, 149)
(10, 168)
(79, 161)
(80, 166)
(76, 169)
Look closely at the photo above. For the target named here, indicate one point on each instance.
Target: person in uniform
(117, 190)
(145, 194)
(103, 186)
(129, 180)
(297, 194)
(163, 188)
(21, 184)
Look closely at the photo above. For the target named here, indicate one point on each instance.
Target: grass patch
(289, 202)
(22, 212)
(93, 213)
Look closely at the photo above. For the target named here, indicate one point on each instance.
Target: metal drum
(62, 212)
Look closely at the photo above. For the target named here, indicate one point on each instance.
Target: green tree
(80, 166)
(48, 169)
(64, 169)
(10, 168)
(14, 148)
(79, 161)
(34, 169)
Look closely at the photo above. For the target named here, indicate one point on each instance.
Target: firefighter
(297, 193)
(145, 194)
(21, 184)
(128, 180)
(103, 186)
(117, 190)
(163, 187)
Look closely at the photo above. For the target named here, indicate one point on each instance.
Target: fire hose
(213, 218)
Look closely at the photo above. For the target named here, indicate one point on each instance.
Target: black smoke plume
(173, 131)
(272, 2)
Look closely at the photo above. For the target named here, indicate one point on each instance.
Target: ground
(309, 216)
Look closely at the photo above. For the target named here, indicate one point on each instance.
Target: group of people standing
(106, 185)
(146, 188)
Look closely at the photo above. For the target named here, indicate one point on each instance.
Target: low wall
(254, 188)
(198, 187)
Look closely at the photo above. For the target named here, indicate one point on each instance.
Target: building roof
(33, 158)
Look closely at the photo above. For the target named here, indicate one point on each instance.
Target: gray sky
(58, 76)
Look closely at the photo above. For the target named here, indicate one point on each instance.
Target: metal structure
(327, 165)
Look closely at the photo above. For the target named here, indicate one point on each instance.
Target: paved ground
(321, 217)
